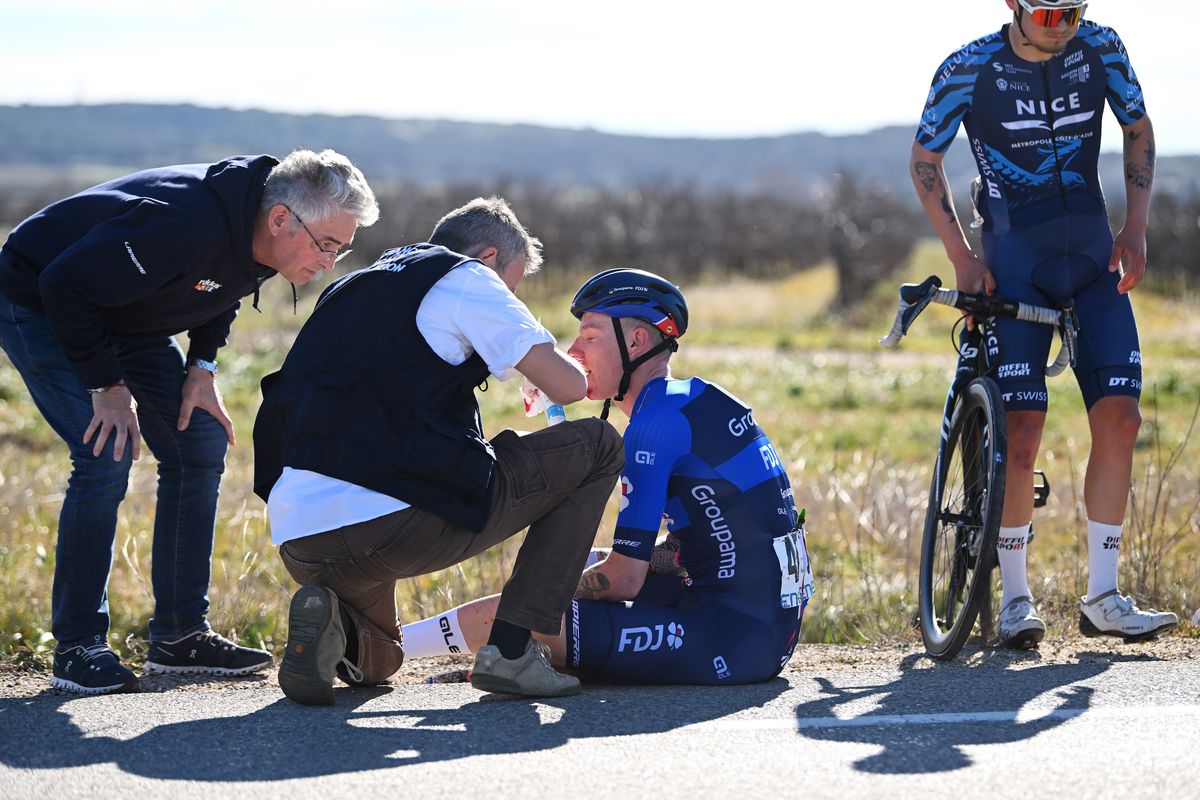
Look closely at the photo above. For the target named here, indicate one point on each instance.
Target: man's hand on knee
(114, 411)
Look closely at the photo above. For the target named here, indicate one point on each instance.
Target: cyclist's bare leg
(1114, 422)
(475, 619)
(1020, 625)
(1024, 439)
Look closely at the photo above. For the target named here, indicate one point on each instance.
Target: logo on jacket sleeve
(134, 258)
(769, 456)
(626, 490)
(206, 285)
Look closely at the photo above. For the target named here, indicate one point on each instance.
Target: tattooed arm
(929, 178)
(617, 577)
(664, 558)
(1130, 243)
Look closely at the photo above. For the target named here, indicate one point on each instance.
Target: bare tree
(870, 235)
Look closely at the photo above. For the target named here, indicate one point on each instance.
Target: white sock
(436, 636)
(1010, 552)
(1104, 546)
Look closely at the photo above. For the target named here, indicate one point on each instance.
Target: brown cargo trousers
(555, 481)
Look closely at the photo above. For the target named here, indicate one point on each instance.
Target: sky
(654, 67)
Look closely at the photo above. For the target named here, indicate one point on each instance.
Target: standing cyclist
(694, 456)
(1031, 97)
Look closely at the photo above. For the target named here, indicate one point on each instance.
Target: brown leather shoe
(530, 675)
(316, 644)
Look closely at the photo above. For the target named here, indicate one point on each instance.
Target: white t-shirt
(469, 310)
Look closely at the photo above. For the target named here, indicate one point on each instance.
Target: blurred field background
(856, 426)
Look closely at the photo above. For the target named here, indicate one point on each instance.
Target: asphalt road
(1123, 726)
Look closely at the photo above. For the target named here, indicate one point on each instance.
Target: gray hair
(488, 223)
(317, 186)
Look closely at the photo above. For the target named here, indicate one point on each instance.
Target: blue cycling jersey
(1034, 128)
(694, 455)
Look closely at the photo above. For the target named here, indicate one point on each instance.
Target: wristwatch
(207, 366)
(103, 389)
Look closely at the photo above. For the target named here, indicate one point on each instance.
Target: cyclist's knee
(1024, 437)
(1116, 419)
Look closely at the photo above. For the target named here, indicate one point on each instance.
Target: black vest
(363, 398)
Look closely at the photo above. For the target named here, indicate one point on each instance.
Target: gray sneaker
(316, 644)
(1114, 614)
(530, 675)
(1020, 626)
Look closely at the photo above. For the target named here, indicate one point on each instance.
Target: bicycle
(966, 495)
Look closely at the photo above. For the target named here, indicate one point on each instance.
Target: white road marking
(968, 717)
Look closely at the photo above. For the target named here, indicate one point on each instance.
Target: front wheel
(963, 519)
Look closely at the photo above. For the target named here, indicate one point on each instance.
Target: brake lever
(913, 299)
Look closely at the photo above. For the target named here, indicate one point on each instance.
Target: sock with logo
(510, 639)
(1010, 552)
(1104, 546)
(437, 636)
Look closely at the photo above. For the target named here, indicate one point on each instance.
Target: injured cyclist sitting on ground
(721, 599)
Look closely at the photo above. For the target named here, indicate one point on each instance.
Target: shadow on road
(925, 718)
(283, 740)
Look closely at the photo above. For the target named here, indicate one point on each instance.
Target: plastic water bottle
(536, 401)
(555, 414)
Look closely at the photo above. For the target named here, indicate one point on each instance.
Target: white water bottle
(555, 414)
(537, 402)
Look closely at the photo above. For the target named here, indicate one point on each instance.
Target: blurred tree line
(690, 234)
(680, 231)
(1173, 242)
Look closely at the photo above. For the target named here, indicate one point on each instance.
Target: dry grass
(856, 426)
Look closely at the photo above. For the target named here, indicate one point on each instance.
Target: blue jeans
(190, 464)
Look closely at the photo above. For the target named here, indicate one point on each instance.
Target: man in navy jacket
(93, 289)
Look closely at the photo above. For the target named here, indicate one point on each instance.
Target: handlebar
(914, 297)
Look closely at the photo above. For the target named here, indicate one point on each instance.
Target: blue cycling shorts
(672, 635)
(1047, 265)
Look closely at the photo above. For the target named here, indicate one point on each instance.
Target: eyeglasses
(1051, 17)
(338, 254)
